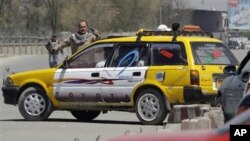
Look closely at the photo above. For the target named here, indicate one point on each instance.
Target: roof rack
(114, 36)
(141, 33)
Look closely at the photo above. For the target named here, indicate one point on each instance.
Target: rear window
(207, 53)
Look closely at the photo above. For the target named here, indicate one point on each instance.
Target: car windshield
(207, 53)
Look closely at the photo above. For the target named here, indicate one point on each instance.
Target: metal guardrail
(17, 45)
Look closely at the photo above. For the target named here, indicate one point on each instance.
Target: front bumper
(10, 94)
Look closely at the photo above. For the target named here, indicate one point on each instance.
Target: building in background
(238, 21)
(210, 15)
(227, 19)
(214, 12)
(239, 14)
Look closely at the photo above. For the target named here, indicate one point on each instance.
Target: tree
(21, 16)
(53, 14)
(1, 7)
(46, 16)
(135, 14)
(99, 15)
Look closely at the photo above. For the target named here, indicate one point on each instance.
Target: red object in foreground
(179, 136)
(219, 134)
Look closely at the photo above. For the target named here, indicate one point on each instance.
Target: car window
(130, 55)
(168, 54)
(92, 57)
(209, 53)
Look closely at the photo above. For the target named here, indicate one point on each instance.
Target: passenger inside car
(143, 57)
(100, 64)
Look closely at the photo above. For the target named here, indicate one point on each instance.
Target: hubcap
(34, 104)
(148, 107)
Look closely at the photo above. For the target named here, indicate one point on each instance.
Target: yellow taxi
(145, 74)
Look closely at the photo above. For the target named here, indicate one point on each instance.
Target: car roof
(161, 39)
(160, 36)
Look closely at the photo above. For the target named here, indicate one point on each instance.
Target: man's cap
(163, 27)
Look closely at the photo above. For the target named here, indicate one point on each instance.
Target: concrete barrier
(216, 117)
(181, 112)
(196, 123)
(196, 116)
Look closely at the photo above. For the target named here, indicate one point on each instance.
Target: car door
(169, 64)
(81, 80)
(125, 69)
(234, 87)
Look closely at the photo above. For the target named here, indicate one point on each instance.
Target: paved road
(61, 126)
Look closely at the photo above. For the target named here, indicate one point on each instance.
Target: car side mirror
(245, 76)
(229, 70)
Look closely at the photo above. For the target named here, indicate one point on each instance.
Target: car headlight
(8, 81)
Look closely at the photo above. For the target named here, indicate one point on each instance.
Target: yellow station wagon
(145, 74)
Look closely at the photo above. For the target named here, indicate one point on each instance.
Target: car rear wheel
(34, 105)
(85, 115)
(150, 107)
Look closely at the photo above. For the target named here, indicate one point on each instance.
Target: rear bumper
(193, 94)
(10, 94)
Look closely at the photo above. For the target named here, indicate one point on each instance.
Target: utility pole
(160, 15)
(225, 26)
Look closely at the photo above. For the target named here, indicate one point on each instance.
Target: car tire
(34, 105)
(218, 103)
(85, 115)
(150, 107)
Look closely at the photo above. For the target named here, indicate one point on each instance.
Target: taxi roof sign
(191, 28)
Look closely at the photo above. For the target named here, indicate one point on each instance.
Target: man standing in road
(80, 39)
(53, 55)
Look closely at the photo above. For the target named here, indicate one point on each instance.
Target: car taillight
(194, 77)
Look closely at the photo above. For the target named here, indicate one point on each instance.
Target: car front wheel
(34, 105)
(150, 107)
(85, 115)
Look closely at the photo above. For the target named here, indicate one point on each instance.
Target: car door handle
(136, 74)
(229, 95)
(95, 74)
